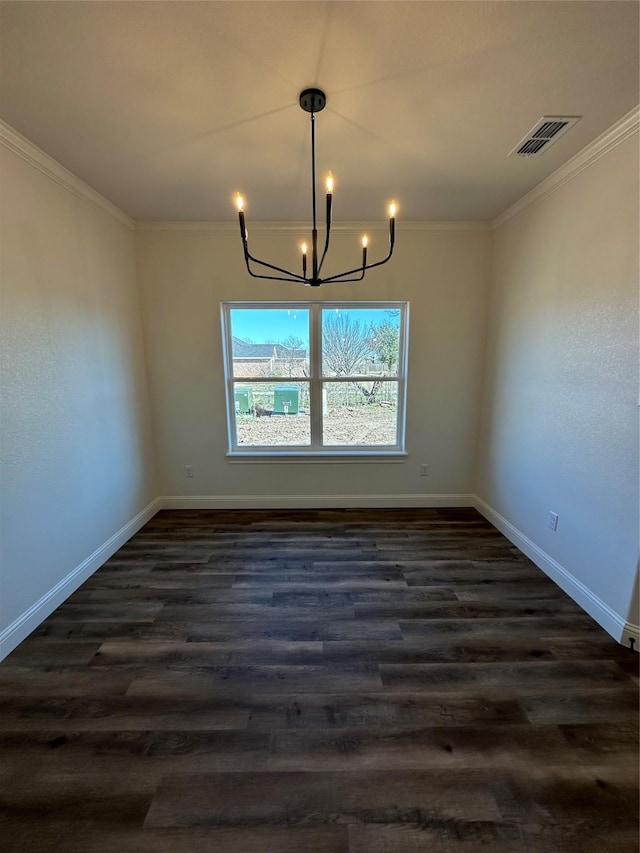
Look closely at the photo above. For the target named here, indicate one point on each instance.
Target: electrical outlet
(188, 470)
(424, 470)
(552, 523)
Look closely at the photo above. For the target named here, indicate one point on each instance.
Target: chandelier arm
(339, 276)
(338, 280)
(327, 230)
(326, 240)
(277, 278)
(324, 252)
(249, 257)
(292, 278)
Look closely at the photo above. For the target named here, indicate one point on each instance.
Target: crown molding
(36, 157)
(610, 139)
(614, 136)
(297, 227)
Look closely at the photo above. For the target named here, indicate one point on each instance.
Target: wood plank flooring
(335, 681)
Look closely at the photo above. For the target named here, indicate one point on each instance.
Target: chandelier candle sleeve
(329, 198)
(329, 203)
(313, 101)
(240, 206)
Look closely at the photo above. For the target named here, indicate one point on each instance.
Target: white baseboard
(21, 627)
(313, 501)
(612, 622)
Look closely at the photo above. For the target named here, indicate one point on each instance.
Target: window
(315, 378)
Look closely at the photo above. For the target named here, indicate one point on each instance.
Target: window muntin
(315, 378)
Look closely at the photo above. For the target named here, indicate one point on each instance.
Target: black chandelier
(313, 101)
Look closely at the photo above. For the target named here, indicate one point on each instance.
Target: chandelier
(313, 101)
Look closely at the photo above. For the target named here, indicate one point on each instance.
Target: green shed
(286, 400)
(243, 398)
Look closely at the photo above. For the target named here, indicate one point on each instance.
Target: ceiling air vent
(544, 134)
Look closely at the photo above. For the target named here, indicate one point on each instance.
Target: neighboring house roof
(289, 352)
(244, 349)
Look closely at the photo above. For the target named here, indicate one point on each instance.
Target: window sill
(314, 457)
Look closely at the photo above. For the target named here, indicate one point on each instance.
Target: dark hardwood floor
(335, 681)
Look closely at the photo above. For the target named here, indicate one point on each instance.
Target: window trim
(315, 451)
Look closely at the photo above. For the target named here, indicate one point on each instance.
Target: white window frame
(315, 450)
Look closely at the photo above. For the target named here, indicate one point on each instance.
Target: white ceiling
(166, 108)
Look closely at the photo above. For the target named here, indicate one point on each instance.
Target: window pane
(272, 414)
(270, 342)
(360, 341)
(360, 413)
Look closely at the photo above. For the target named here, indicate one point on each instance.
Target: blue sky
(276, 324)
(269, 326)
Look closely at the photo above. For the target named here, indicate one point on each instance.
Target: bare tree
(293, 356)
(346, 344)
(370, 390)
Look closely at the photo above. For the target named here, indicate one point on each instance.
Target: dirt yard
(347, 425)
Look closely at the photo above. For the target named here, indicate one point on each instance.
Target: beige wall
(547, 421)
(185, 274)
(560, 421)
(77, 457)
